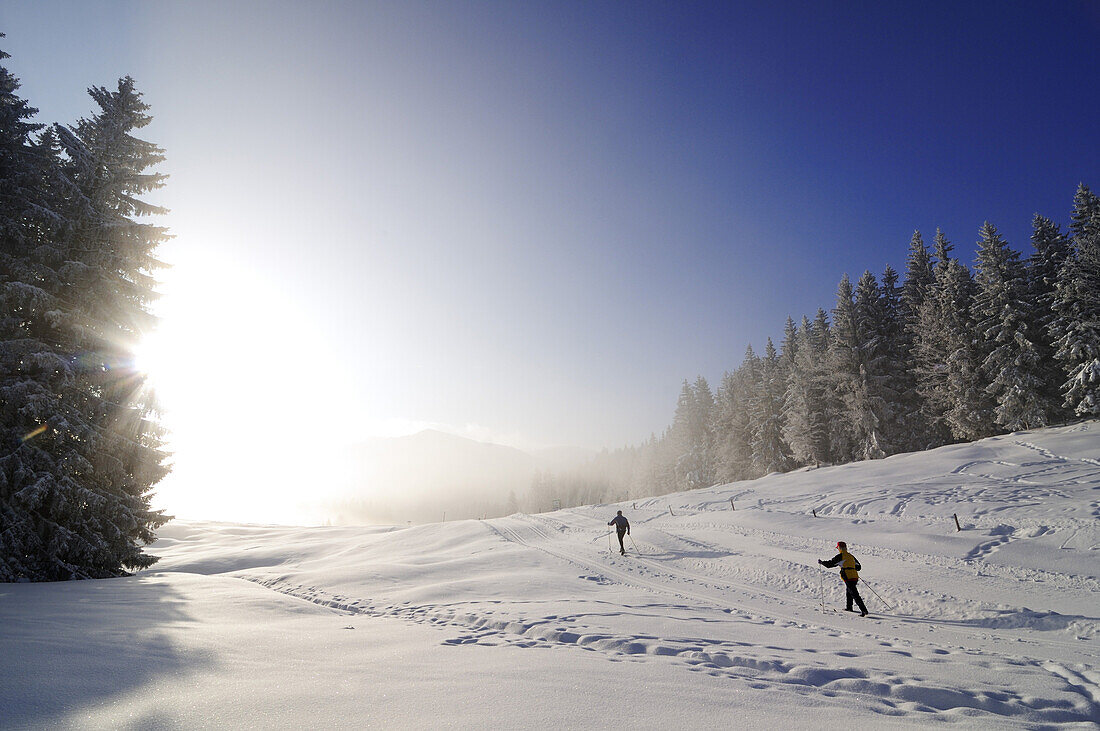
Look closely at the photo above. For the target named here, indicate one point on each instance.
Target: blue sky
(530, 221)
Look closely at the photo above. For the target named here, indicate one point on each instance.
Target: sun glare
(225, 363)
(151, 357)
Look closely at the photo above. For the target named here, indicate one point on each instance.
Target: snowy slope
(716, 620)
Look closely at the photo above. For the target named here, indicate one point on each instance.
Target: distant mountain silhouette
(417, 477)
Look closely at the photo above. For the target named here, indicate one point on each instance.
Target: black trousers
(621, 532)
(853, 594)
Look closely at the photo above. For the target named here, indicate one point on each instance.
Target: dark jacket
(621, 523)
(849, 565)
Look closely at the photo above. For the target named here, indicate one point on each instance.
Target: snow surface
(714, 620)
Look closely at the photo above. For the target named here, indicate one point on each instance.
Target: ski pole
(632, 542)
(609, 546)
(877, 594)
(821, 590)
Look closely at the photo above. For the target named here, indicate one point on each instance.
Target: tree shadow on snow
(71, 647)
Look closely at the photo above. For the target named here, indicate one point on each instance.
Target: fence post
(731, 505)
(670, 511)
(957, 526)
(814, 512)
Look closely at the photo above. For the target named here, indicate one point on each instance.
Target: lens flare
(31, 435)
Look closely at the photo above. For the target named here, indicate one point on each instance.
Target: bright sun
(226, 365)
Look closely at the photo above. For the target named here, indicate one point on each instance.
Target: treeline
(79, 448)
(950, 354)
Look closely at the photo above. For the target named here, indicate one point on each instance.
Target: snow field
(719, 617)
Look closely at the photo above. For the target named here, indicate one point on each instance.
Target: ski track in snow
(740, 590)
(833, 674)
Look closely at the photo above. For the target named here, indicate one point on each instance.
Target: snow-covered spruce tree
(919, 277)
(843, 375)
(946, 358)
(970, 408)
(82, 483)
(794, 392)
(892, 365)
(822, 339)
(662, 466)
(679, 439)
(703, 417)
(855, 361)
(796, 399)
(805, 428)
(733, 427)
(1004, 321)
(25, 227)
(789, 348)
(876, 325)
(769, 450)
(931, 346)
(692, 436)
(1077, 304)
(20, 172)
(631, 468)
(1043, 269)
(727, 412)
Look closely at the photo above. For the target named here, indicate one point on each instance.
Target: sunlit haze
(527, 223)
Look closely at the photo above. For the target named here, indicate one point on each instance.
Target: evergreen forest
(948, 353)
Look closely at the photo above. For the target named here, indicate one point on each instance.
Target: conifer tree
(790, 346)
(969, 414)
(822, 330)
(24, 229)
(1085, 219)
(769, 450)
(871, 411)
(843, 373)
(947, 360)
(893, 367)
(729, 414)
(703, 419)
(691, 437)
(1043, 270)
(804, 426)
(20, 171)
(918, 280)
(86, 454)
(1002, 317)
(1077, 303)
(733, 420)
(822, 338)
(701, 430)
(855, 358)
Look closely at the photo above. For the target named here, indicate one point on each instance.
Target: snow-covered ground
(715, 619)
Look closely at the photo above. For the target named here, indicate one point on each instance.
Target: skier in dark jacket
(849, 573)
(622, 526)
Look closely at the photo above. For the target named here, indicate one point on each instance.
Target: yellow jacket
(849, 565)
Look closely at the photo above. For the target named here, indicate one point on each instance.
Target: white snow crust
(718, 617)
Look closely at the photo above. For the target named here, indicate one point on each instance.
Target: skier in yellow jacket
(849, 572)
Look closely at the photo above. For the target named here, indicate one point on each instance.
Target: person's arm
(627, 526)
(831, 562)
